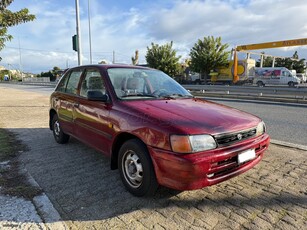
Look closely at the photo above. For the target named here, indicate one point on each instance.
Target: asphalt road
(285, 122)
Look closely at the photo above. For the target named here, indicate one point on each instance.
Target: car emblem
(239, 136)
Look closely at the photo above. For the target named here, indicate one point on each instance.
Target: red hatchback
(154, 131)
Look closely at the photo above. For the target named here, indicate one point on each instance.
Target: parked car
(154, 131)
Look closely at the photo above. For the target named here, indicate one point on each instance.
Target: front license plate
(246, 156)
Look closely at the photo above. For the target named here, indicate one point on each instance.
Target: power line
(36, 50)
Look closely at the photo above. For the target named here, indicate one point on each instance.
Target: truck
(275, 76)
(225, 75)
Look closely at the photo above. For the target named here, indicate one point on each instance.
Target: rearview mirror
(96, 95)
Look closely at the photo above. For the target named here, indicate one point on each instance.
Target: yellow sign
(276, 44)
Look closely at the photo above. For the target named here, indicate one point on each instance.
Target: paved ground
(87, 194)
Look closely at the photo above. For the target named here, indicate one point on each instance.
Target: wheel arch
(52, 112)
(260, 83)
(118, 142)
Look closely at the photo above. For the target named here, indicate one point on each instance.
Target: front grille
(227, 139)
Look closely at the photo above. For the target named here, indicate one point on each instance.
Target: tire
(260, 84)
(136, 168)
(59, 136)
(291, 84)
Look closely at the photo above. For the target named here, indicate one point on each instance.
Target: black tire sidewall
(149, 184)
(62, 138)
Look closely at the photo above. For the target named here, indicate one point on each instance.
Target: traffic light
(75, 43)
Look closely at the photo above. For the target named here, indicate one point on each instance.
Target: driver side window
(92, 82)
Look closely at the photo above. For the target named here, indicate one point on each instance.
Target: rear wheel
(58, 134)
(136, 168)
(260, 84)
(291, 84)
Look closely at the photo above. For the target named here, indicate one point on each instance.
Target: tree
(163, 58)
(46, 74)
(267, 61)
(208, 54)
(55, 73)
(9, 19)
(298, 65)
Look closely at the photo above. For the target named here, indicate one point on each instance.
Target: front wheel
(58, 134)
(136, 169)
(260, 84)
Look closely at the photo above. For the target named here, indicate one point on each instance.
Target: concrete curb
(45, 208)
(289, 145)
(252, 97)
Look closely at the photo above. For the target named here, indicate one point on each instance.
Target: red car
(154, 131)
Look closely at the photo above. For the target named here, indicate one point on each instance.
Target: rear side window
(62, 83)
(73, 81)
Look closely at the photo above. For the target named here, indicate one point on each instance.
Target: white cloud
(46, 42)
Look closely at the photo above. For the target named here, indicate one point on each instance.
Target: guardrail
(51, 84)
(295, 94)
(280, 94)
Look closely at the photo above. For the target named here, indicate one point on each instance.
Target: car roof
(108, 66)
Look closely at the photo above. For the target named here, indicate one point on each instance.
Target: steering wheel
(160, 92)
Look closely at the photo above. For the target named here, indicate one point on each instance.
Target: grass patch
(6, 149)
(12, 181)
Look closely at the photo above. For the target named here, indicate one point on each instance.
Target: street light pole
(78, 33)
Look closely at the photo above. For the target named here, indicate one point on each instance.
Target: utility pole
(20, 65)
(78, 33)
(89, 31)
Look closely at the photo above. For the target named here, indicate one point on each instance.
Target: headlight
(260, 128)
(193, 143)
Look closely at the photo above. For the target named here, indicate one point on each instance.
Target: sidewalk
(80, 191)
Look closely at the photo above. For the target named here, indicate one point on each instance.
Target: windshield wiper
(138, 95)
(176, 95)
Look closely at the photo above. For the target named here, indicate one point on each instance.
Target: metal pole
(20, 66)
(89, 32)
(261, 61)
(78, 33)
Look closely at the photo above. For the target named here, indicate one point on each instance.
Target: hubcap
(133, 169)
(56, 128)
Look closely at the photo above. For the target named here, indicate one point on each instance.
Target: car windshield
(134, 83)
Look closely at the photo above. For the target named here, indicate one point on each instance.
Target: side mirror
(96, 95)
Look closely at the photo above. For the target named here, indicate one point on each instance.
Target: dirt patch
(12, 180)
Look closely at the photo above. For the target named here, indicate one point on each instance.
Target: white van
(275, 76)
(302, 77)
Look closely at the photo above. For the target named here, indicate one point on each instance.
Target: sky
(120, 27)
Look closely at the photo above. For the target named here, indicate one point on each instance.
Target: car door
(92, 122)
(66, 96)
(275, 77)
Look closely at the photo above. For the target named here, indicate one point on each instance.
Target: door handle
(76, 105)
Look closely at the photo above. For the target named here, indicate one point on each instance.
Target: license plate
(246, 156)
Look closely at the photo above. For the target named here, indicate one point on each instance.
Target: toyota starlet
(154, 131)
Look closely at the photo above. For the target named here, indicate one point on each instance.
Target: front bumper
(198, 170)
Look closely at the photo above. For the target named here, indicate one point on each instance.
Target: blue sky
(124, 26)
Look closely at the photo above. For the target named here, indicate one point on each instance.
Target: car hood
(192, 116)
